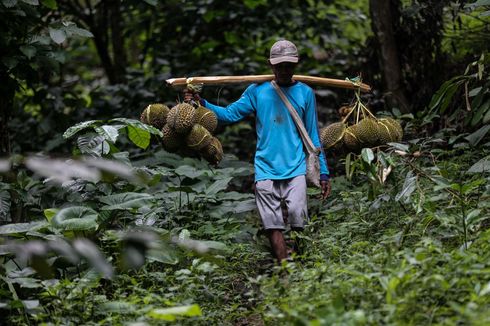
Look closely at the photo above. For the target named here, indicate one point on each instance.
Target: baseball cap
(283, 51)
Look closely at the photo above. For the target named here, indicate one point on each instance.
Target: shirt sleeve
(311, 125)
(236, 111)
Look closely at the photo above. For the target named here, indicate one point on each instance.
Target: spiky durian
(199, 137)
(171, 140)
(213, 153)
(155, 115)
(332, 134)
(181, 118)
(206, 118)
(350, 139)
(385, 134)
(395, 128)
(367, 131)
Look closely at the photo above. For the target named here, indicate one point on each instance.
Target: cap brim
(275, 61)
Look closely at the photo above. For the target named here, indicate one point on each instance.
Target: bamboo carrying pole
(311, 80)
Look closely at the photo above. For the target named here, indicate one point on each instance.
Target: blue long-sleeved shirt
(279, 153)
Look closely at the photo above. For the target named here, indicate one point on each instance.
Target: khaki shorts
(270, 193)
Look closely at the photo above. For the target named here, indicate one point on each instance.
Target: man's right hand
(190, 95)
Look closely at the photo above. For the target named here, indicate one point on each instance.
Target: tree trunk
(119, 51)
(388, 53)
(7, 94)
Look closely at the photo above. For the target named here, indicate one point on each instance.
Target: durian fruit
(395, 128)
(199, 137)
(213, 153)
(332, 134)
(181, 118)
(385, 135)
(171, 140)
(367, 132)
(206, 118)
(155, 115)
(350, 139)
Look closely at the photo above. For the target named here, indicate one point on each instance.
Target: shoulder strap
(297, 120)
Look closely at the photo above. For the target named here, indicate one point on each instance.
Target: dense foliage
(99, 225)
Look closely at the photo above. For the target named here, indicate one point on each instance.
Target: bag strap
(310, 148)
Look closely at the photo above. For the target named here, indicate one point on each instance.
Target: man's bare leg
(278, 244)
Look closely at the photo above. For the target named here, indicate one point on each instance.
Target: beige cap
(283, 51)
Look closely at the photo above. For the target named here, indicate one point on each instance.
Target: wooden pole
(311, 80)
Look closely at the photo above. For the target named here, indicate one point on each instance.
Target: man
(280, 160)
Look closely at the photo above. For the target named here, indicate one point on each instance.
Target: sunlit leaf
(367, 155)
(171, 314)
(481, 166)
(108, 132)
(139, 137)
(139, 125)
(80, 126)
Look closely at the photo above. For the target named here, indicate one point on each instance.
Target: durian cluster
(186, 129)
(366, 131)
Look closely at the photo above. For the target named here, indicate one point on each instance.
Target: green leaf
(76, 218)
(218, 186)
(74, 30)
(5, 203)
(17, 228)
(57, 35)
(139, 125)
(478, 135)
(9, 3)
(139, 137)
(120, 307)
(482, 166)
(408, 187)
(28, 50)
(451, 85)
(80, 126)
(31, 2)
(108, 132)
(189, 171)
(481, 3)
(51, 4)
(49, 213)
(128, 200)
(475, 217)
(367, 155)
(151, 2)
(171, 314)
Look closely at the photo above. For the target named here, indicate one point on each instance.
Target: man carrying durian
(280, 159)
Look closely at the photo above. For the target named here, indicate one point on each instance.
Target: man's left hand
(326, 188)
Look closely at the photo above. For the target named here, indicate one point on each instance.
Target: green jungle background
(100, 226)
